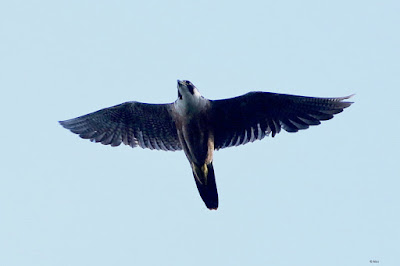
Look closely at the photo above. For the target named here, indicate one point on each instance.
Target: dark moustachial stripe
(191, 88)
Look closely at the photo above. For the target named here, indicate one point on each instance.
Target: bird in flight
(199, 126)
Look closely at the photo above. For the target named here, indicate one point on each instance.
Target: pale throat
(190, 105)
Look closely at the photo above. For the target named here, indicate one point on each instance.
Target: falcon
(199, 126)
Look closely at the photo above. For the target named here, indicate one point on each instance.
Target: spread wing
(252, 116)
(132, 123)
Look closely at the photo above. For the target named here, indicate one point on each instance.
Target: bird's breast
(197, 138)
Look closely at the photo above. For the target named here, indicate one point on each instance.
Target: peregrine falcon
(199, 126)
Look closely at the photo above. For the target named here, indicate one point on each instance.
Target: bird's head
(187, 90)
(189, 98)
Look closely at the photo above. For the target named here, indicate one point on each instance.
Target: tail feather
(205, 181)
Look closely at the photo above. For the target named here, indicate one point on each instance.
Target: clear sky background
(328, 195)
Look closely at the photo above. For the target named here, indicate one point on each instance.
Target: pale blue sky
(328, 195)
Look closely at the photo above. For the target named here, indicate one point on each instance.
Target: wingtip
(63, 123)
(345, 97)
(344, 103)
(348, 97)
